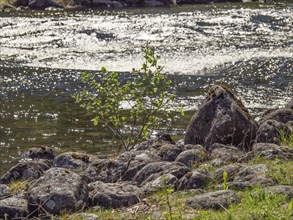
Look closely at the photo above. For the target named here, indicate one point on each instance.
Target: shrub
(147, 94)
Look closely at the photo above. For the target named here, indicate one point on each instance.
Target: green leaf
(103, 70)
(96, 121)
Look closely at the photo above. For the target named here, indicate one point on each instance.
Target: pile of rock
(221, 133)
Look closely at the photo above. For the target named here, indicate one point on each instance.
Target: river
(248, 46)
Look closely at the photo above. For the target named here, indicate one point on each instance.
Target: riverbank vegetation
(130, 108)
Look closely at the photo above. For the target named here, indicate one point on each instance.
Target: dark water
(247, 46)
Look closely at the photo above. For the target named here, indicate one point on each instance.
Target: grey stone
(154, 143)
(13, 208)
(246, 157)
(73, 160)
(252, 176)
(113, 195)
(167, 180)
(271, 151)
(3, 190)
(26, 170)
(169, 152)
(192, 180)
(39, 152)
(135, 161)
(152, 171)
(191, 156)
(57, 191)
(224, 154)
(281, 189)
(269, 131)
(231, 169)
(105, 170)
(213, 200)
(283, 115)
(221, 119)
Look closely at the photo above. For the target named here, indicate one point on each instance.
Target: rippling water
(247, 46)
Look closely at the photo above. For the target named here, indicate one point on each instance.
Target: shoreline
(51, 5)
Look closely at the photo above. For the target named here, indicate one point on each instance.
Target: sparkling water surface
(248, 46)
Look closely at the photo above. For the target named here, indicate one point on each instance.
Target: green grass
(286, 139)
(17, 186)
(255, 204)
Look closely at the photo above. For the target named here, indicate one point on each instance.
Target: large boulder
(57, 191)
(113, 195)
(26, 170)
(221, 119)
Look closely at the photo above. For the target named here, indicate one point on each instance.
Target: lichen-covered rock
(73, 160)
(113, 195)
(231, 170)
(192, 155)
(167, 180)
(169, 152)
(221, 119)
(224, 154)
(251, 176)
(213, 200)
(3, 189)
(270, 132)
(135, 161)
(271, 151)
(154, 143)
(283, 115)
(39, 152)
(192, 180)
(152, 171)
(57, 191)
(13, 208)
(105, 170)
(26, 170)
(281, 189)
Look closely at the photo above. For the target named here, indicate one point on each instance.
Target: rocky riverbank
(67, 4)
(221, 134)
